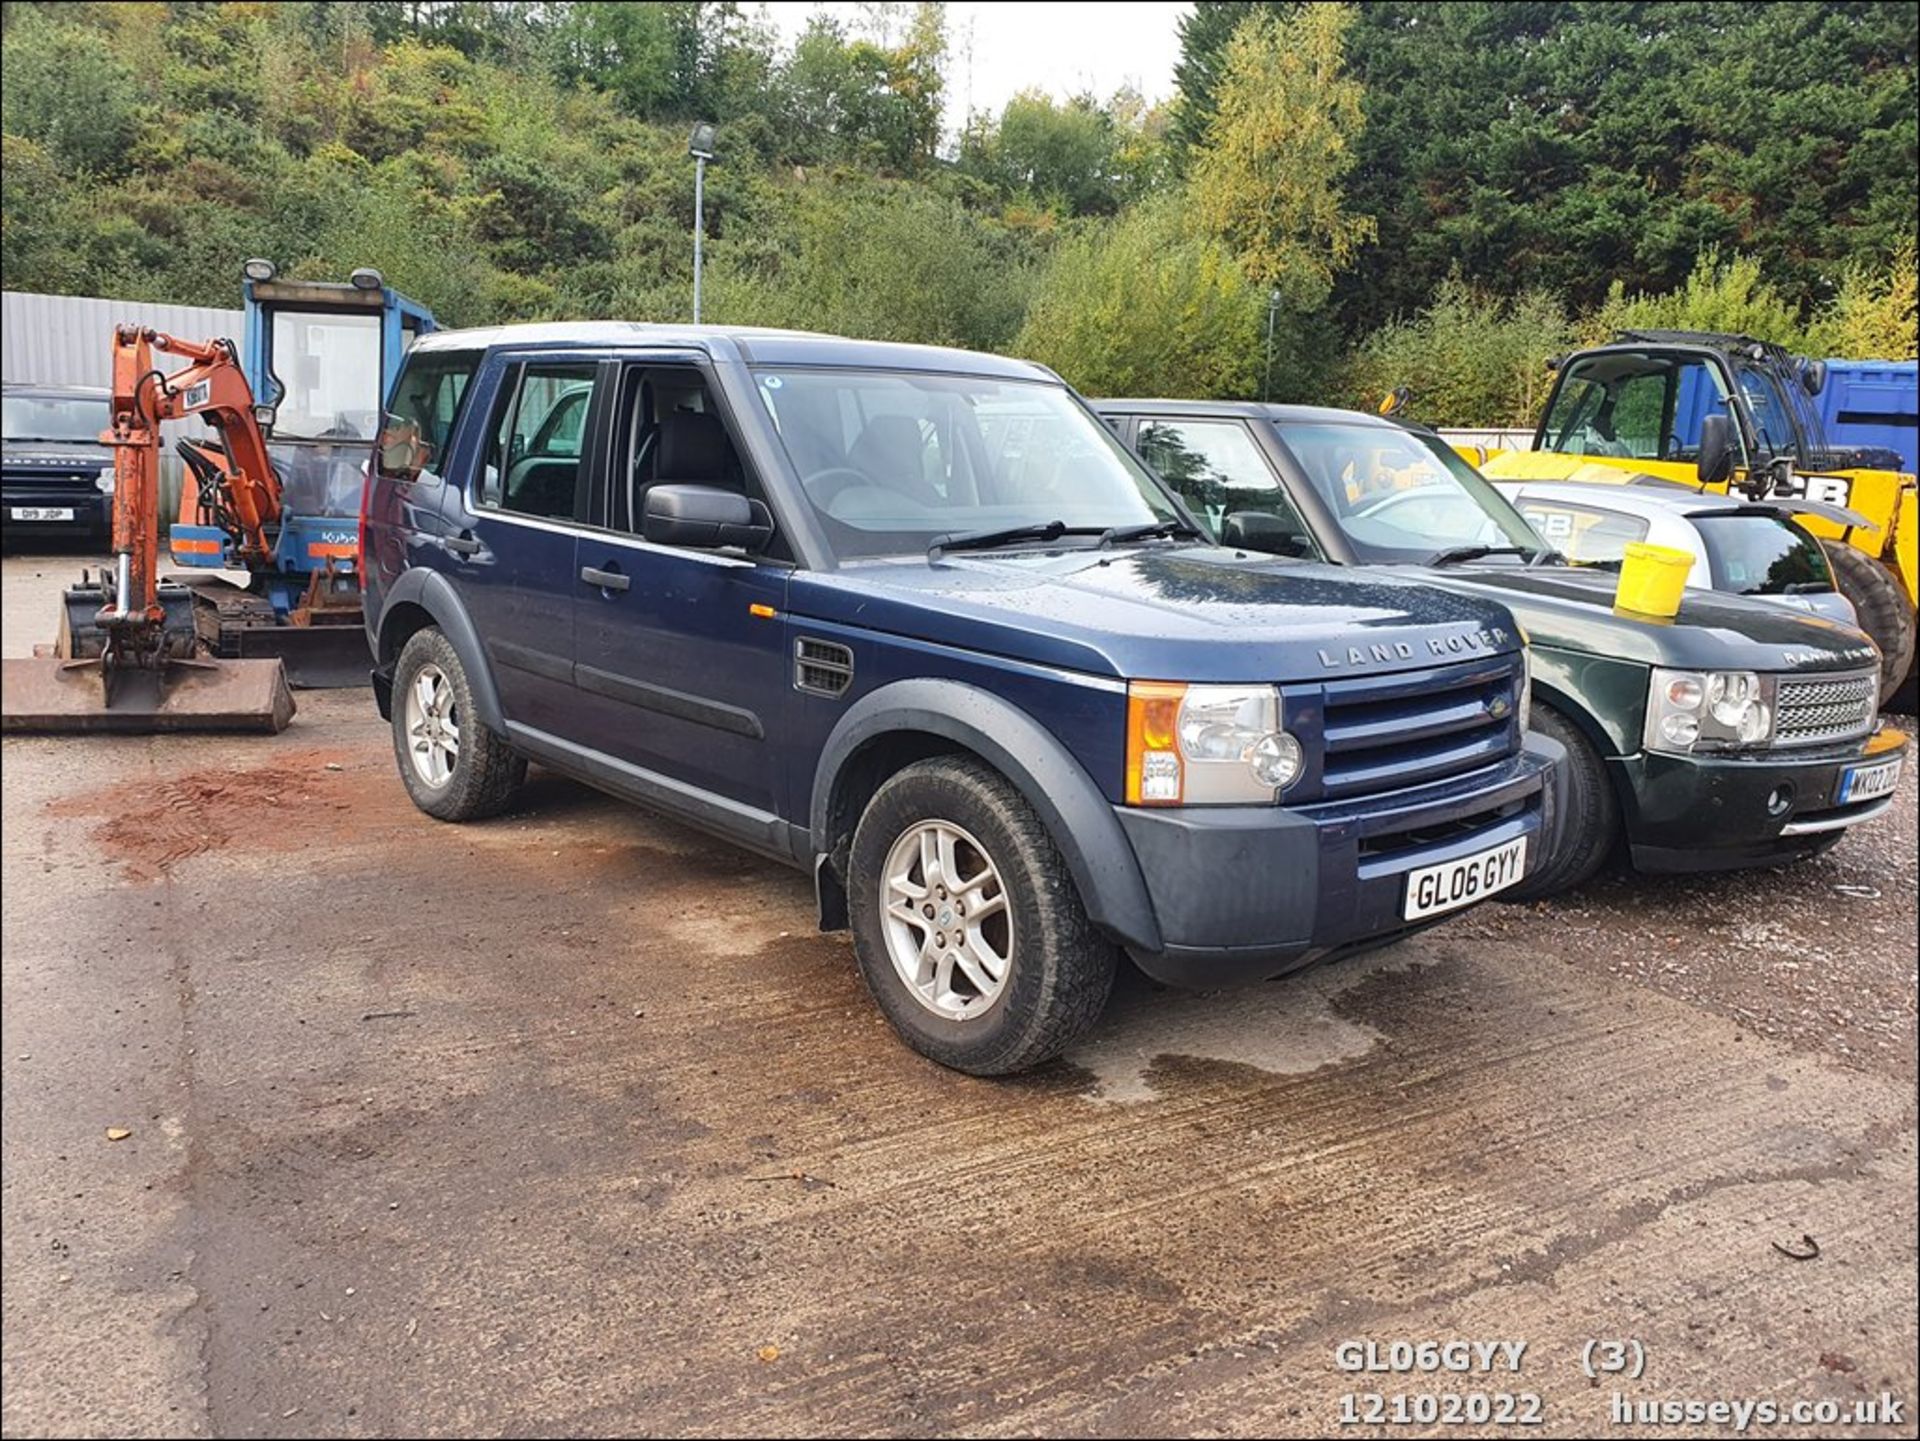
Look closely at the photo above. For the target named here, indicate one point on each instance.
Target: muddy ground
(569, 1122)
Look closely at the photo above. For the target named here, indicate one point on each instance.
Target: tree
(1732, 296)
(883, 261)
(1268, 182)
(861, 100)
(1146, 305)
(1062, 155)
(64, 87)
(1873, 315)
(1538, 144)
(1204, 33)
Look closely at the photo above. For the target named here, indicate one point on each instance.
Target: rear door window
(426, 404)
(536, 441)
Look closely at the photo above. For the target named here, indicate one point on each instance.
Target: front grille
(1837, 708)
(1385, 733)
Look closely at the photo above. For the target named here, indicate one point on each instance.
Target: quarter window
(535, 445)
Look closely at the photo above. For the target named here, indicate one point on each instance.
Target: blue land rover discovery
(915, 620)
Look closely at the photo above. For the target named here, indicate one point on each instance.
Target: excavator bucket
(76, 691)
(52, 695)
(316, 657)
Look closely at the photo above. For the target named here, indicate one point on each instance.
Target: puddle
(1285, 1028)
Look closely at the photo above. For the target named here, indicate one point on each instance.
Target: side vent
(821, 667)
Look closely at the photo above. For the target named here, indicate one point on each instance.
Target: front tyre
(1882, 607)
(455, 766)
(1591, 828)
(968, 928)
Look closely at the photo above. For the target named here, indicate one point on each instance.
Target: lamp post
(700, 147)
(1273, 309)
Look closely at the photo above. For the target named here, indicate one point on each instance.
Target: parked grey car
(1740, 546)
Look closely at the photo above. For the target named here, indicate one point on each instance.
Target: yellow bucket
(1652, 578)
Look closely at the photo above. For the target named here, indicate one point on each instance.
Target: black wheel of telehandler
(1882, 607)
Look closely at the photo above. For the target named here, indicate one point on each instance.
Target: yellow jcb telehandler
(1723, 413)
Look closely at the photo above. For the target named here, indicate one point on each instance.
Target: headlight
(1526, 688)
(103, 482)
(1707, 710)
(1207, 745)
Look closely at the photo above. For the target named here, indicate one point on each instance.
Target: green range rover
(1739, 733)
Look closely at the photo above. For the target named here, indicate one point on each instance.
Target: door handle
(463, 544)
(605, 579)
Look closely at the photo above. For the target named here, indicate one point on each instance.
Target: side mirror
(704, 517)
(1716, 450)
(1256, 530)
(1813, 376)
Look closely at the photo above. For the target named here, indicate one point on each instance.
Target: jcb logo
(1833, 489)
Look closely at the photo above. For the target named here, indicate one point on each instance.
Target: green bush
(1145, 305)
(1469, 358)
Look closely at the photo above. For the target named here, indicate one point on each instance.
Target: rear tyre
(967, 925)
(1591, 828)
(1882, 607)
(455, 766)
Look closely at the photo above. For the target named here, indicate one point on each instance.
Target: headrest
(693, 448)
(889, 450)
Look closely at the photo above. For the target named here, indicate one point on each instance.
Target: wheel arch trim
(433, 593)
(1078, 818)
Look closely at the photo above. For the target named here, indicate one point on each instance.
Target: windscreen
(1763, 555)
(40, 417)
(1402, 498)
(891, 460)
(329, 368)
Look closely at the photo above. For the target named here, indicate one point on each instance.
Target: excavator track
(234, 623)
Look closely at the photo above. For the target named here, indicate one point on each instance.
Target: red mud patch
(150, 827)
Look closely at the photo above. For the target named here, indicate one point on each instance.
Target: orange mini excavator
(128, 657)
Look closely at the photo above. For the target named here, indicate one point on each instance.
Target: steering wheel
(826, 486)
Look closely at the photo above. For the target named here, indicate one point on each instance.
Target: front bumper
(92, 510)
(1724, 812)
(1244, 893)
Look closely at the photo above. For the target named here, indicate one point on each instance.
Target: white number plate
(1448, 887)
(40, 512)
(1866, 783)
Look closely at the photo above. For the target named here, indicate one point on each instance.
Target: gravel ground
(1819, 954)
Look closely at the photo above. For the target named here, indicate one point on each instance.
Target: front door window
(1217, 467)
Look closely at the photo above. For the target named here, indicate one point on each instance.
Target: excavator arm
(236, 477)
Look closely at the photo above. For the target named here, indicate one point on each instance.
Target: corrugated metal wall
(66, 339)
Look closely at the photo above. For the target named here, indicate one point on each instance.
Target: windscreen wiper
(1006, 535)
(1475, 552)
(1124, 534)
